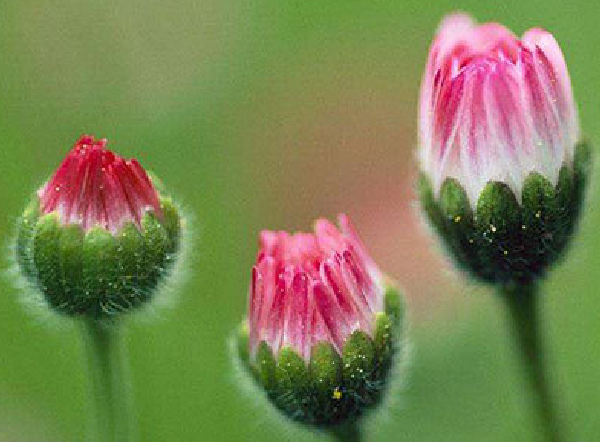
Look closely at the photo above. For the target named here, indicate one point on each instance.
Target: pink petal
(307, 288)
(95, 187)
(493, 107)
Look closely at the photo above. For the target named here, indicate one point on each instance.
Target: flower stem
(522, 301)
(110, 386)
(349, 432)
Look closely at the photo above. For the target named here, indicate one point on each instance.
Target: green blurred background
(267, 114)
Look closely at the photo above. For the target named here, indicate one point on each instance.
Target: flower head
(503, 170)
(315, 300)
(99, 236)
(494, 108)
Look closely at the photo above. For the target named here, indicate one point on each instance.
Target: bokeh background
(267, 114)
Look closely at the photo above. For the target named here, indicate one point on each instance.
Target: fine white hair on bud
(100, 237)
(322, 334)
(503, 173)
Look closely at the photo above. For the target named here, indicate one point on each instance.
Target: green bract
(502, 241)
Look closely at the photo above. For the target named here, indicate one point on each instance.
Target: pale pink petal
(493, 107)
(539, 38)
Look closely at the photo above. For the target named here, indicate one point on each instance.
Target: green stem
(106, 353)
(349, 432)
(523, 308)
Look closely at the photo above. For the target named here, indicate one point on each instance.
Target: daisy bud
(503, 170)
(100, 236)
(321, 333)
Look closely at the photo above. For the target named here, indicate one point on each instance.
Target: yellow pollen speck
(538, 214)
(337, 394)
(492, 227)
(457, 219)
(506, 252)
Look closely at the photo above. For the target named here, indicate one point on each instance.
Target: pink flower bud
(309, 288)
(98, 239)
(494, 108)
(95, 187)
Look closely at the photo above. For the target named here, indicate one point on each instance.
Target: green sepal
(243, 343)
(46, 257)
(567, 211)
(358, 360)
(130, 260)
(266, 367)
(389, 326)
(430, 205)
(71, 265)
(100, 274)
(394, 303)
(156, 251)
(543, 220)
(459, 221)
(384, 340)
(454, 203)
(497, 212)
(582, 163)
(328, 401)
(293, 382)
(498, 232)
(539, 202)
(582, 169)
(326, 372)
(171, 222)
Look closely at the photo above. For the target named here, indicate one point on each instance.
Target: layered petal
(307, 288)
(94, 187)
(493, 107)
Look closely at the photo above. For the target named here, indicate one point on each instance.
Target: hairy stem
(522, 301)
(106, 353)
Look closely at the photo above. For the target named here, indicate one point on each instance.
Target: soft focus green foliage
(268, 114)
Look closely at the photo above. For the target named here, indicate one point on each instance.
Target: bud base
(95, 273)
(331, 388)
(502, 241)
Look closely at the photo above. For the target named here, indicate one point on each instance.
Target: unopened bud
(503, 171)
(100, 236)
(323, 325)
